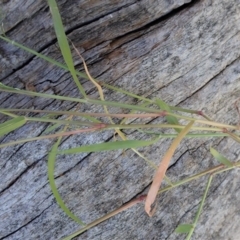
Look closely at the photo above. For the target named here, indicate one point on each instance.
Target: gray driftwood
(186, 53)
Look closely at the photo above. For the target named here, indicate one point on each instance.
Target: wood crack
(33, 219)
(211, 79)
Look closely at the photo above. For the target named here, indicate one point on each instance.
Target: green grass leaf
(51, 166)
(184, 228)
(11, 125)
(2, 86)
(63, 43)
(108, 146)
(12, 115)
(220, 157)
(51, 128)
(170, 119)
(200, 208)
(83, 75)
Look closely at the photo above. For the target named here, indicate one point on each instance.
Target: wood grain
(184, 53)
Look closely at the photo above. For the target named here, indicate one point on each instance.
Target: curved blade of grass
(220, 157)
(11, 125)
(157, 180)
(108, 146)
(184, 228)
(51, 166)
(63, 43)
(170, 119)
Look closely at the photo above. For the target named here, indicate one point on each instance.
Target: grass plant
(206, 128)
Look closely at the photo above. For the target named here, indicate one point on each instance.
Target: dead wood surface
(184, 52)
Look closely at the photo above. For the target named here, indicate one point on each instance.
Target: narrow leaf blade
(200, 208)
(63, 42)
(51, 128)
(170, 119)
(108, 146)
(157, 180)
(51, 165)
(61, 36)
(3, 86)
(220, 157)
(184, 228)
(11, 125)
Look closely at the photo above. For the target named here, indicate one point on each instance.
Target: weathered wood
(185, 54)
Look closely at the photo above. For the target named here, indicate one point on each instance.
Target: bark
(184, 52)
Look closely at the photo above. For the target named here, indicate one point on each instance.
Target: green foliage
(117, 145)
(63, 43)
(11, 125)
(92, 123)
(184, 228)
(220, 157)
(51, 165)
(170, 119)
(189, 228)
